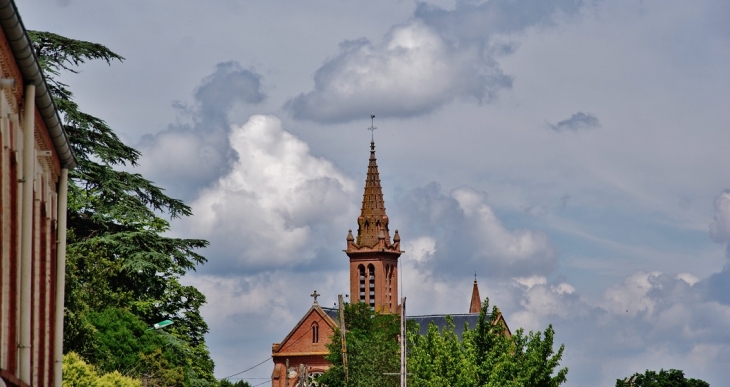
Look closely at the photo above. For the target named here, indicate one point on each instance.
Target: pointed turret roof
(476, 301)
(373, 221)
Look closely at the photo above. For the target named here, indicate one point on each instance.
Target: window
(361, 269)
(371, 278)
(315, 333)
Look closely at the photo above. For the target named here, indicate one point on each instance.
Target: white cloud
(424, 63)
(529, 282)
(276, 205)
(720, 228)
(411, 72)
(688, 278)
(193, 153)
(631, 296)
(654, 319)
(184, 157)
(519, 249)
(420, 249)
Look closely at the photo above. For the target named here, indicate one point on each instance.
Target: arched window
(315, 332)
(361, 270)
(371, 278)
(389, 284)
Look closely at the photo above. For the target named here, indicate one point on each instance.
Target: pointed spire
(373, 222)
(476, 301)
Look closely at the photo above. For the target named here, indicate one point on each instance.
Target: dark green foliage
(372, 350)
(671, 378)
(117, 255)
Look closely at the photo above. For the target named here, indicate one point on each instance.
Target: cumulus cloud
(278, 206)
(655, 319)
(420, 249)
(720, 228)
(190, 155)
(518, 249)
(422, 64)
(465, 235)
(228, 85)
(577, 122)
(411, 72)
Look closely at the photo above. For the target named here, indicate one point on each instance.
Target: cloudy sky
(569, 152)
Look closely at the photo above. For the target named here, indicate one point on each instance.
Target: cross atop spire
(315, 295)
(372, 129)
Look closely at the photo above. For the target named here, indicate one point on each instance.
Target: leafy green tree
(670, 378)
(127, 344)
(227, 383)
(441, 359)
(484, 356)
(117, 253)
(372, 350)
(78, 373)
(115, 379)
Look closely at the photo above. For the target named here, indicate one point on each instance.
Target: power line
(249, 369)
(267, 359)
(261, 384)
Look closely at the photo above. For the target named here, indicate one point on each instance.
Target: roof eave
(30, 70)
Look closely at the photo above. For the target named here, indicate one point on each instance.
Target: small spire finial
(315, 295)
(372, 128)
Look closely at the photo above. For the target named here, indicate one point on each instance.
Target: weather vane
(372, 127)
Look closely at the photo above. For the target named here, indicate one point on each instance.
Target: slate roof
(425, 320)
(332, 312)
(440, 321)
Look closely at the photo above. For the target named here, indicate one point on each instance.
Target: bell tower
(373, 257)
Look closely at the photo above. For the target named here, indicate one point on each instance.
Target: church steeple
(476, 301)
(372, 222)
(373, 257)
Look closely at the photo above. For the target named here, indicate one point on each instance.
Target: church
(373, 259)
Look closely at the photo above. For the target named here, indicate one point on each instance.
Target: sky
(568, 152)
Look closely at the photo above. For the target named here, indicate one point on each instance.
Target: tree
(485, 356)
(441, 359)
(372, 350)
(227, 383)
(671, 378)
(117, 254)
(78, 373)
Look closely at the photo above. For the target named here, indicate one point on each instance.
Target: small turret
(476, 301)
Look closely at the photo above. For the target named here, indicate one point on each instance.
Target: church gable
(309, 337)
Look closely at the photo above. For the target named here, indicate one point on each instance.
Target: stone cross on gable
(315, 295)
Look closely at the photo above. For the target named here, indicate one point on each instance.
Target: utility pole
(342, 334)
(403, 378)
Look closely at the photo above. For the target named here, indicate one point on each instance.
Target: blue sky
(570, 152)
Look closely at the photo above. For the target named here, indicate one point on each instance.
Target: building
(35, 157)
(373, 280)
